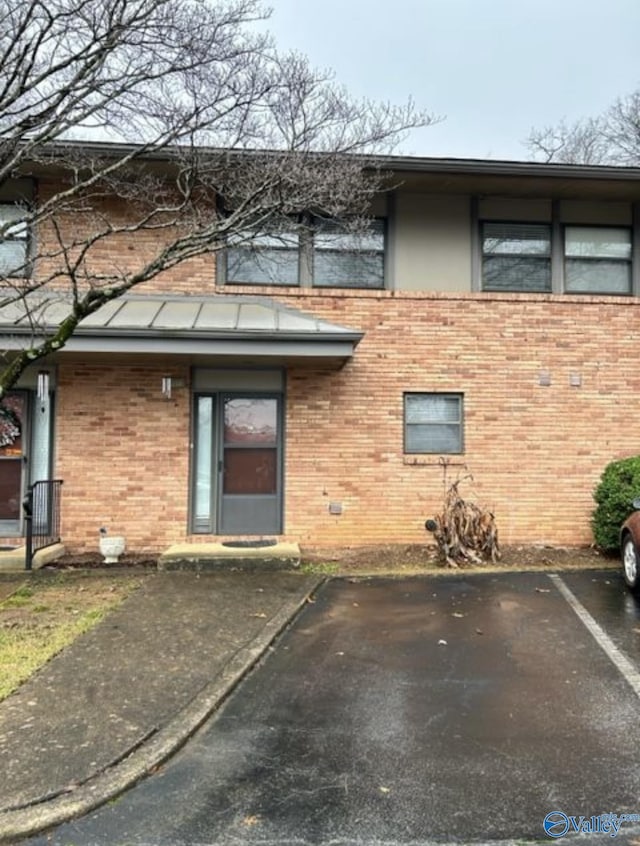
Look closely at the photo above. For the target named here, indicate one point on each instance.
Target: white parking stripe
(612, 652)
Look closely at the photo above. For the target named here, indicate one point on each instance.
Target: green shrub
(619, 485)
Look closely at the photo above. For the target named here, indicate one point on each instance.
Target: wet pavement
(457, 708)
(120, 700)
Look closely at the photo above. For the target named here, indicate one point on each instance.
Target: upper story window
(433, 423)
(348, 259)
(597, 260)
(588, 259)
(264, 259)
(516, 257)
(324, 254)
(14, 241)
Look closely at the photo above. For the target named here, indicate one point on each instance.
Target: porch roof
(216, 325)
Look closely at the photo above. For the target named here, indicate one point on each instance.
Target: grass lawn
(45, 614)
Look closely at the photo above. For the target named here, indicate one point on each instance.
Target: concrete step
(246, 555)
(13, 560)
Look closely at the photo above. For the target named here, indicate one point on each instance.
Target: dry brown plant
(465, 533)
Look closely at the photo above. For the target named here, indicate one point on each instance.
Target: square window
(265, 259)
(433, 423)
(516, 257)
(597, 260)
(343, 259)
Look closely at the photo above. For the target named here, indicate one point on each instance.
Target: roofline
(498, 167)
(198, 335)
(199, 348)
(401, 164)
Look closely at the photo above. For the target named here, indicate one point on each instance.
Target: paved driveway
(452, 708)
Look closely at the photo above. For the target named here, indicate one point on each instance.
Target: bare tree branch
(148, 117)
(612, 138)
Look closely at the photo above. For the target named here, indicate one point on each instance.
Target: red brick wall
(535, 452)
(116, 253)
(122, 450)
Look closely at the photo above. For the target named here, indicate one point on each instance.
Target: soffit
(560, 186)
(414, 173)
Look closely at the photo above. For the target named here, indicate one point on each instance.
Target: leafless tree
(175, 118)
(612, 138)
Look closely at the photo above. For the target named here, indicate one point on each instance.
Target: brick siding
(535, 451)
(123, 452)
(117, 253)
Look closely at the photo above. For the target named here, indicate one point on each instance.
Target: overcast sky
(493, 68)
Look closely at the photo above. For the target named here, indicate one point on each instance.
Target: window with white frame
(597, 260)
(14, 241)
(516, 257)
(321, 253)
(433, 423)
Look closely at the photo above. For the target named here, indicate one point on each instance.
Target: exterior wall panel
(432, 247)
(514, 209)
(602, 214)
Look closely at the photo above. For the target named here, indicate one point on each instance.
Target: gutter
(403, 164)
(194, 335)
(510, 168)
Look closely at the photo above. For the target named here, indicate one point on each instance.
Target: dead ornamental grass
(44, 615)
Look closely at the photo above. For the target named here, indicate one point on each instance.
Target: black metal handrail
(41, 508)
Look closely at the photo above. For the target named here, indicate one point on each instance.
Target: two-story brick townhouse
(314, 389)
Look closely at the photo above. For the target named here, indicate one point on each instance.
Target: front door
(238, 464)
(13, 440)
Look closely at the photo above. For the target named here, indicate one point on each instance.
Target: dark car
(630, 548)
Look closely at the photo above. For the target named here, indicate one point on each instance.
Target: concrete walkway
(123, 697)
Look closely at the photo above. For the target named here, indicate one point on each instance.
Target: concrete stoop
(13, 560)
(220, 556)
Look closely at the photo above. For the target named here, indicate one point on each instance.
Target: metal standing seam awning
(214, 326)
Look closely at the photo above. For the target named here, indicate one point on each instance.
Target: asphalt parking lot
(455, 708)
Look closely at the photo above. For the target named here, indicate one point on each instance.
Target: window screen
(516, 257)
(263, 259)
(597, 260)
(433, 423)
(343, 259)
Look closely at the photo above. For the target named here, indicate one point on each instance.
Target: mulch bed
(95, 561)
(379, 557)
(419, 556)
